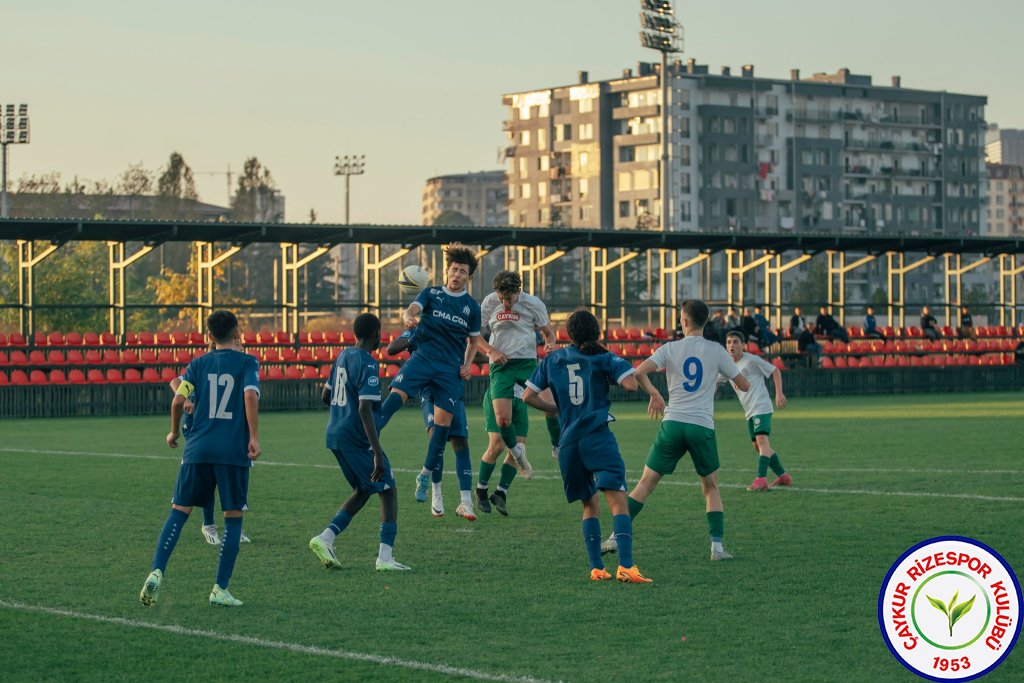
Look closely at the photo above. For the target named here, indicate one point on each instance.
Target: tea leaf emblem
(953, 612)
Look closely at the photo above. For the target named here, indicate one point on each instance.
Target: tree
(74, 274)
(254, 196)
(453, 218)
(811, 292)
(175, 184)
(136, 181)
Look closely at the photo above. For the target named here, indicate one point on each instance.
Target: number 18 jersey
(692, 366)
(579, 384)
(220, 432)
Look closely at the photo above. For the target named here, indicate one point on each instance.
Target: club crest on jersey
(465, 310)
(507, 315)
(373, 381)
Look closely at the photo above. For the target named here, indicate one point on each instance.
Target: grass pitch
(502, 598)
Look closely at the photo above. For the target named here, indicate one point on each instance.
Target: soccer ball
(413, 279)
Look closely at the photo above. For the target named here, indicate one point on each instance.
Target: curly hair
(584, 331)
(221, 325)
(366, 326)
(508, 282)
(456, 253)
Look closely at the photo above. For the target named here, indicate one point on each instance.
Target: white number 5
(575, 385)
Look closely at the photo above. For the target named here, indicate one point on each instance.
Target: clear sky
(416, 86)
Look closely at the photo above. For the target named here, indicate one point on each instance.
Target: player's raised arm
(548, 333)
(252, 418)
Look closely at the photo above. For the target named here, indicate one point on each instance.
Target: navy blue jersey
(354, 377)
(447, 320)
(579, 384)
(220, 432)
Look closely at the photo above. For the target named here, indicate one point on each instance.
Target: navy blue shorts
(459, 429)
(357, 466)
(420, 373)
(196, 484)
(591, 464)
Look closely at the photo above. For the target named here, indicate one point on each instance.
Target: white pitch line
(664, 482)
(274, 644)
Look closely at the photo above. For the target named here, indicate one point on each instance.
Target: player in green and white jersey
(692, 366)
(757, 408)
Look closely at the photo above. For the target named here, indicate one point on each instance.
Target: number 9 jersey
(220, 432)
(692, 366)
(579, 384)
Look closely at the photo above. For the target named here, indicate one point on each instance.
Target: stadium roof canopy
(155, 232)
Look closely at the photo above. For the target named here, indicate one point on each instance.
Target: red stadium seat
(249, 337)
(196, 339)
(840, 362)
(76, 376)
(39, 339)
(73, 339)
(348, 337)
(292, 372)
(55, 357)
(95, 376)
(129, 356)
(150, 375)
(147, 339)
(130, 339)
(392, 371)
(162, 338)
(16, 339)
(635, 333)
(275, 372)
(271, 355)
(108, 339)
(310, 372)
(198, 352)
(325, 372)
(305, 355)
(18, 358)
(55, 339)
(3, 339)
(284, 337)
(3, 358)
(58, 377)
(91, 339)
(266, 337)
(288, 355)
(114, 376)
(132, 375)
(316, 337)
(332, 337)
(3, 379)
(111, 357)
(168, 374)
(37, 377)
(164, 356)
(19, 378)
(853, 362)
(827, 363)
(93, 357)
(777, 362)
(322, 354)
(36, 358)
(182, 356)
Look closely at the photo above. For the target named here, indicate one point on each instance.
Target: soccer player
(353, 394)
(513, 318)
(449, 338)
(222, 445)
(692, 365)
(757, 408)
(178, 385)
(588, 455)
(458, 437)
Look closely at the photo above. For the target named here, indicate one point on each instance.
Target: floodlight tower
(660, 31)
(349, 166)
(14, 130)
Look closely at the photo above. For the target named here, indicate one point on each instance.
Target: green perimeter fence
(154, 399)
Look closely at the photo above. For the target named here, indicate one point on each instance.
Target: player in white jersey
(757, 408)
(692, 366)
(513, 318)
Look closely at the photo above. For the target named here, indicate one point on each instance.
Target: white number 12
(220, 412)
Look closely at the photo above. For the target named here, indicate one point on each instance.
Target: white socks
(328, 535)
(384, 553)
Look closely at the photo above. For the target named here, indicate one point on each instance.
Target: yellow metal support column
(28, 259)
(372, 266)
(600, 266)
(206, 262)
(898, 269)
(739, 271)
(671, 267)
(955, 274)
(291, 264)
(531, 260)
(1008, 272)
(117, 264)
(841, 269)
(774, 302)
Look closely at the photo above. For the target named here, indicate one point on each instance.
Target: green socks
(776, 465)
(508, 436)
(554, 429)
(508, 473)
(635, 507)
(762, 466)
(486, 470)
(716, 525)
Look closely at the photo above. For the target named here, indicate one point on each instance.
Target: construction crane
(228, 174)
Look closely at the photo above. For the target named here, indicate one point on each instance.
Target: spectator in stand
(1018, 354)
(805, 343)
(732, 322)
(827, 325)
(797, 323)
(966, 329)
(929, 325)
(715, 329)
(870, 326)
(765, 336)
(748, 326)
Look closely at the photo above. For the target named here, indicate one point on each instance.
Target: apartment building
(1005, 210)
(480, 196)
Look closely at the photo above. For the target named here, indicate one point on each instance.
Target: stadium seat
(305, 355)
(93, 357)
(132, 375)
(111, 357)
(827, 363)
(164, 356)
(108, 339)
(392, 371)
(162, 338)
(903, 361)
(777, 362)
(114, 376)
(39, 339)
(249, 337)
(332, 337)
(76, 376)
(840, 362)
(198, 352)
(853, 362)
(753, 348)
(95, 376)
(310, 372)
(55, 357)
(36, 358)
(325, 371)
(288, 355)
(266, 337)
(562, 336)
(16, 339)
(274, 372)
(322, 354)
(316, 337)
(75, 357)
(182, 356)
(146, 338)
(926, 361)
(635, 333)
(91, 339)
(348, 337)
(55, 339)
(3, 358)
(3, 339)
(196, 338)
(37, 377)
(283, 337)
(129, 356)
(18, 358)
(150, 375)
(19, 378)
(131, 339)
(58, 377)
(292, 372)
(168, 374)
(73, 339)
(3, 379)
(271, 356)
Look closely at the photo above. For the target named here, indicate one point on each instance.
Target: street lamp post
(660, 31)
(348, 166)
(14, 130)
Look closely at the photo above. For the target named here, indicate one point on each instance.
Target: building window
(524, 137)
(684, 183)
(684, 211)
(684, 127)
(623, 209)
(684, 155)
(627, 154)
(526, 191)
(586, 105)
(563, 132)
(542, 190)
(584, 187)
(625, 182)
(586, 131)
(542, 138)
(641, 180)
(728, 125)
(584, 161)
(683, 97)
(523, 170)
(585, 212)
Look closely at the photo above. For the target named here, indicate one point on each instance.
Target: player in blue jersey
(353, 394)
(588, 455)
(222, 445)
(449, 338)
(458, 436)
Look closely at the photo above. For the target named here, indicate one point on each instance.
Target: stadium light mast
(660, 31)
(14, 130)
(348, 166)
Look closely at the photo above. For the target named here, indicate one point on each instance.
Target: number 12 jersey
(220, 432)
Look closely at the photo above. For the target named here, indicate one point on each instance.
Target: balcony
(630, 112)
